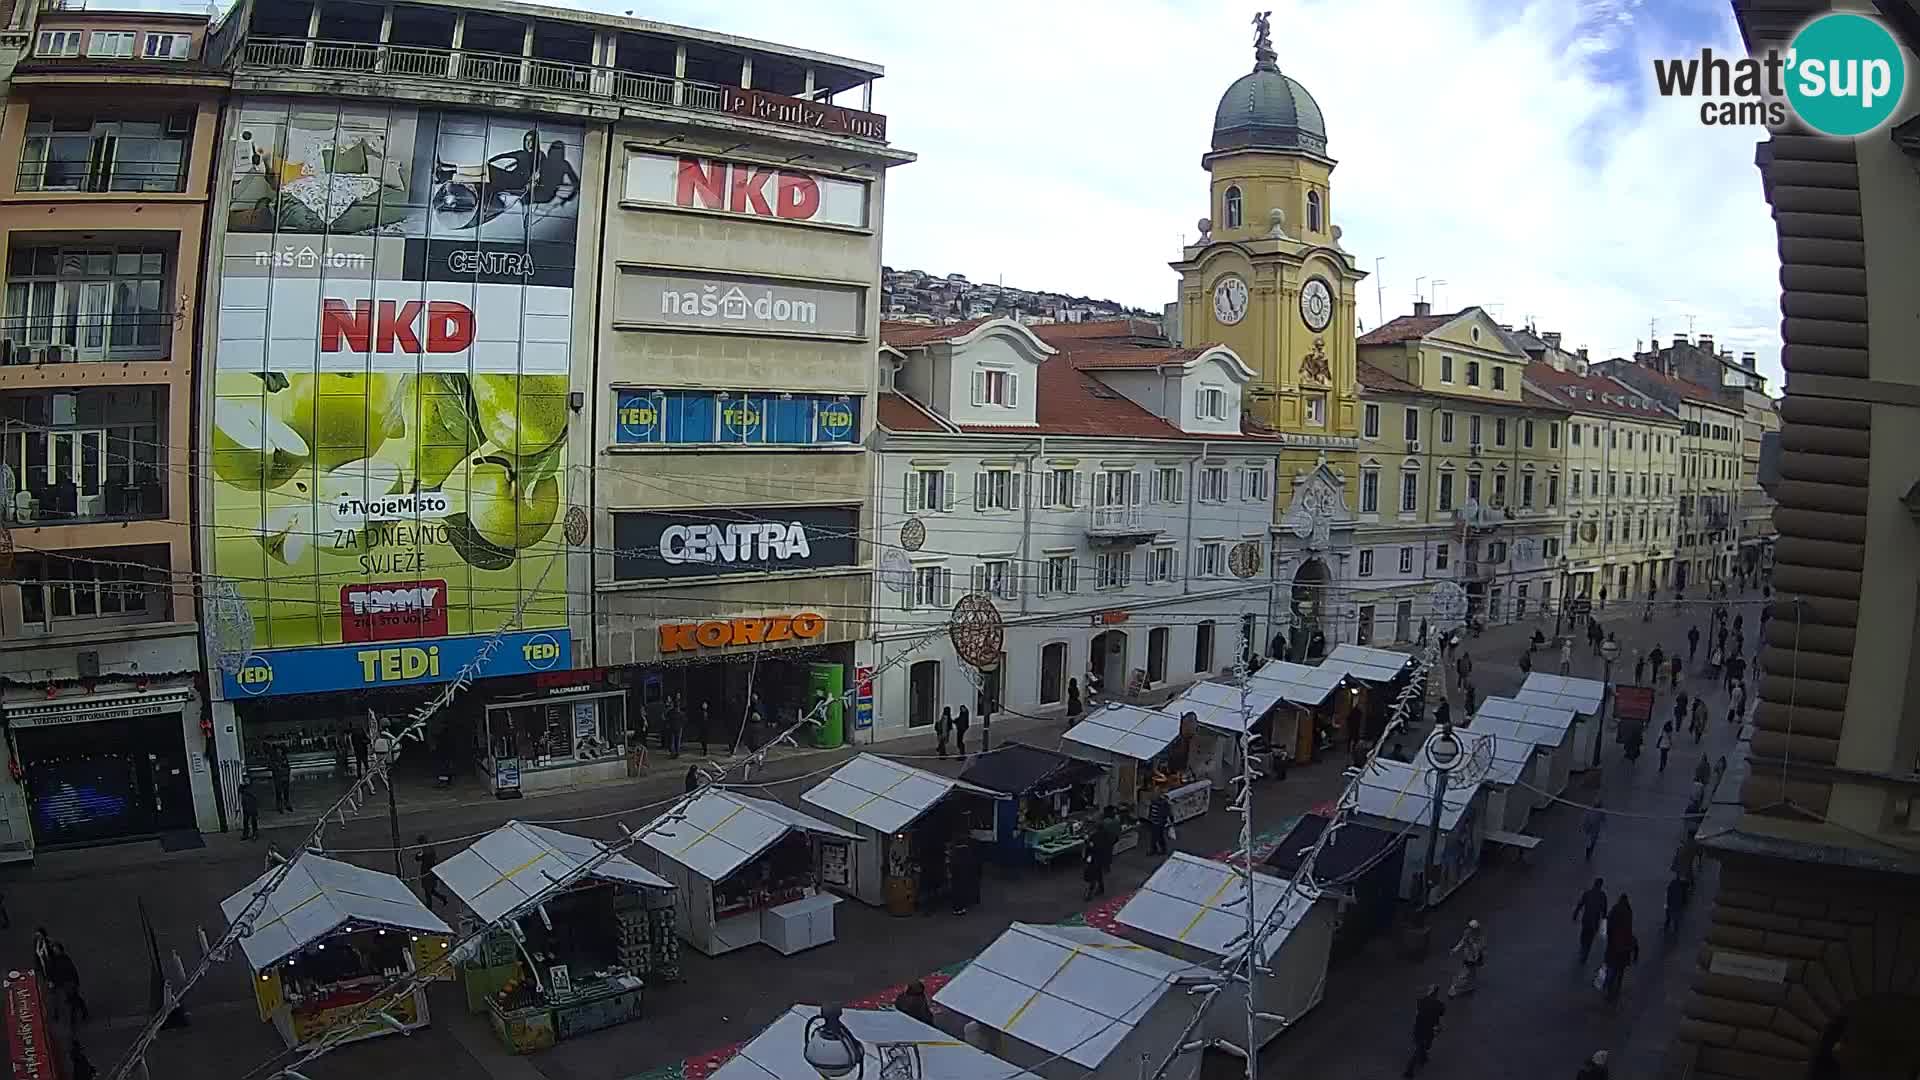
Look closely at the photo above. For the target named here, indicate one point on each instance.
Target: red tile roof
(1145, 329)
(899, 414)
(1531, 396)
(1068, 401)
(1374, 378)
(1407, 328)
(1122, 356)
(1608, 396)
(907, 335)
(1685, 388)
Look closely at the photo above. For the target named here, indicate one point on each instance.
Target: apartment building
(1737, 382)
(109, 128)
(1460, 474)
(1107, 497)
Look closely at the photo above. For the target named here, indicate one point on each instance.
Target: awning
(1202, 903)
(1548, 724)
(723, 831)
(1127, 730)
(778, 1052)
(1019, 769)
(1300, 684)
(78, 709)
(884, 795)
(1376, 666)
(516, 862)
(318, 896)
(1583, 696)
(1505, 761)
(1397, 791)
(1219, 705)
(1513, 839)
(1520, 731)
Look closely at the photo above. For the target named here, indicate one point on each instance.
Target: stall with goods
(1582, 697)
(919, 829)
(892, 1046)
(1313, 694)
(1148, 752)
(329, 939)
(1223, 712)
(1049, 802)
(1374, 679)
(581, 960)
(1398, 797)
(748, 871)
(1358, 869)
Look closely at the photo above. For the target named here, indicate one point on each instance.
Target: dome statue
(1266, 110)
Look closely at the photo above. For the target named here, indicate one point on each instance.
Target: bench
(1054, 841)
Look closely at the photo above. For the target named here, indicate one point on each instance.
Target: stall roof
(1535, 714)
(1300, 684)
(777, 1052)
(724, 830)
(1072, 991)
(1353, 850)
(1369, 665)
(1397, 791)
(1540, 735)
(1200, 902)
(1508, 756)
(883, 795)
(1128, 730)
(318, 896)
(1218, 705)
(1017, 769)
(513, 863)
(1583, 696)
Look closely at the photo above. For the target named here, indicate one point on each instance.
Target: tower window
(1233, 208)
(1314, 216)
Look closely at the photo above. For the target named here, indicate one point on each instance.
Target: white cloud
(1518, 155)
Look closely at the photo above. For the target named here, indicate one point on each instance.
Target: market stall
(1195, 910)
(1222, 713)
(1073, 1002)
(1510, 768)
(582, 962)
(1149, 752)
(1048, 801)
(547, 741)
(748, 871)
(1375, 678)
(1313, 692)
(1365, 861)
(1582, 697)
(893, 1044)
(1398, 797)
(330, 937)
(1550, 728)
(911, 821)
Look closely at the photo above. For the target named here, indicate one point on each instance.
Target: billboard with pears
(389, 416)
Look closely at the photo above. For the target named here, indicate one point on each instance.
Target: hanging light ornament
(229, 626)
(977, 633)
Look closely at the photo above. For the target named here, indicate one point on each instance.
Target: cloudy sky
(1511, 148)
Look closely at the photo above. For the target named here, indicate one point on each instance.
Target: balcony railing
(547, 76)
(1115, 518)
(40, 504)
(129, 177)
(70, 338)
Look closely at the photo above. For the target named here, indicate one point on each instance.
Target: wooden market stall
(1049, 802)
(331, 936)
(1583, 697)
(1195, 909)
(1365, 862)
(1550, 728)
(747, 871)
(582, 960)
(1073, 1002)
(1150, 753)
(911, 820)
(1374, 678)
(1398, 796)
(1222, 713)
(891, 1042)
(1510, 770)
(1313, 692)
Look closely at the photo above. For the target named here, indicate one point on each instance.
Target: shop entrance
(1107, 662)
(923, 693)
(98, 781)
(1307, 601)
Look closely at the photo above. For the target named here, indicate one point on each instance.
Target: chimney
(1552, 339)
(1422, 308)
(1582, 350)
(1706, 344)
(1747, 360)
(1679, 339)
(1653, 345)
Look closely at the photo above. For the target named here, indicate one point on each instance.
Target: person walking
(913, 1002)
(1676, 900)
(1679, 711)
(65, 978)
(249, 812)
(1463, 667)
(1639, 668)
(1673, 672)
(428, 858)
(1472, 698)
(1622, 947)
(961, 723)
(1427, 1014)
(1159, 820)
(1526, 662)
(358, 737)
(1595, 1068)
(1443, 713)
(1592, 822)
(1664, 743)
(1472, 951)
(1699, 722)
(676, 726)
(1566, 655)
(1590, 911)
(1099, 859)
(706, 726)
(940, 726)
(693, 779)
(1658, 661)
(282, 769)
(1693, 642)
(42, 952)
(1073, 698)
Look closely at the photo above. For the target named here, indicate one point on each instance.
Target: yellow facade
(1622, 498)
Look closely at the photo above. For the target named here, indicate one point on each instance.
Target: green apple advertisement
(389, 422)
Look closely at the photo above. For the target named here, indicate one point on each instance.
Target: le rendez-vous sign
(796, 112)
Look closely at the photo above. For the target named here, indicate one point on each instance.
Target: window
(1497, 551)
(1370, 421)
(1553, 491)
(1409, 491)
(1232, 211)
(1473, 373)
(1643, 527)
(1613, 439)
(127, 584)
(111, 44)
(1366, 562)
(1203, 648)
(1553, 437)
(1442, 555)
(58, 43)
(1473, 487)
(1446, 491)
(1315, 222)
(1499, 376)
(1526, 491)
(1113, 570)
(1499, 489)
(1158, 639)
(1061, 577)
(167, 46)
(1550, 547)
(1210, 403)
(996, 577)
(1253, 483)
(1446, 368)
(1167, 484)
(1499, 431)
(1213, 484)
(132, 152)
(1406, 560)
(932, 588)
(1446, 427)
(996, 489)
(1629, 483)
(1573, 432)
(1363, 626)
(929, 490)
(103, 303)
(1162, 565)
(1053, 672)
(1526, 434)
(1060, 489)
(1576, 480)
(1317, 410)
(83, 455)
(1412, 425)
(1613, 480)
(1520, 603)
(1211, 559)
(1473, 430)
(994, 386)
(1369, 491)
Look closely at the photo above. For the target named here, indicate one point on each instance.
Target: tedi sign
(1842, 75)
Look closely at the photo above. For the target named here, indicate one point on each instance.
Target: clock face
(1230, 300)
(1316, 304)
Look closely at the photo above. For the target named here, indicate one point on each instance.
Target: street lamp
(830, 1048)
(1443, 753)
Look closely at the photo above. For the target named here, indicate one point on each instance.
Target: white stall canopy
(1377, 666)
(1505, 760)
(317, 897)
(517, 861)
(1582, 696)
(777, 1053)
(1397, 791)
(1071, 991)
(1547, 725)
(1127, 731)
(1202, 903)
(1300, 684)
(1220, 706)
(884, 795)
(724, 831)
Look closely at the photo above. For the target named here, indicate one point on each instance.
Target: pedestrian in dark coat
(960, 725)
(1590, 912)
(693, 778)
(1673, 672)
(1664, 744)
(963, 875)
(1693, 642)
(1657, 658)
(1443, 713)
(1160, 819)
(428, 858)
(1099, 856)
(1676, 901)
(282, 770)
(358, 737)
(249, 813)
(676, 726)
(42, 952)
(65, 978)
(913, 1002)
(1472, 698)
(940, 725)
(1526, 663)
(1427, 1014)
(706, 725)
(1591, 823)
(1622, 947)
(1639, 669)
(1073, 697)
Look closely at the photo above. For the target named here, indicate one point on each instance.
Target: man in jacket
(1590, 912)
(1427, 1013)
(1159, 819)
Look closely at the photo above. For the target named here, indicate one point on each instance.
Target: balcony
(82, 457)
(101, 338)
(96, 301)
(1474, 570)
(95, 589)
(1119, 525)
(123, 154)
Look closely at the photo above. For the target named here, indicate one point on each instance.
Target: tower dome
(1266, 110)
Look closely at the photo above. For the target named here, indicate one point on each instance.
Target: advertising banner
(390, 405)
(734, 418)
(730, 540)
(682, 301)
(751, 190)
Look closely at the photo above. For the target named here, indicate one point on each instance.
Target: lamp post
(1443, 753)
(1566, 597)
(830, 1048)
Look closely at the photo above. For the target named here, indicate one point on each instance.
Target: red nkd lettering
(701, 184)
(390, 326)
(798, 197)
(750, 191)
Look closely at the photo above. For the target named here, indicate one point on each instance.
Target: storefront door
(923, 693)
(90, 782)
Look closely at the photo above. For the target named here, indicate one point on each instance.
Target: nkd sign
(748, 189)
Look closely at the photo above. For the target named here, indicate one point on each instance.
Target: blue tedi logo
(540, 652)
(255, 677)
(1843, 75)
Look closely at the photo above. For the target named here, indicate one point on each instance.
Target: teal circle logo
(1845, 74)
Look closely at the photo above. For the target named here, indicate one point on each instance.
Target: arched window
(1314, 216)
(1233, 208)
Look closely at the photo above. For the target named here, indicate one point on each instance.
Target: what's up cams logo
(1842, 75)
